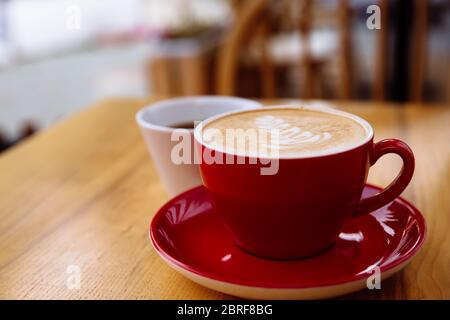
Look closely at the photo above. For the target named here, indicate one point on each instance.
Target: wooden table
(79, 197)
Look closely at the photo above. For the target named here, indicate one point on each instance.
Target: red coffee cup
(300, 210)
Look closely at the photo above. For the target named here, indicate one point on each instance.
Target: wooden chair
(253, 21)
(381, 54)
(418, 52)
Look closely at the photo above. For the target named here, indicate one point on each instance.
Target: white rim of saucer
(306, 293)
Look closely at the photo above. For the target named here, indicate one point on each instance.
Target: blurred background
(58, 56)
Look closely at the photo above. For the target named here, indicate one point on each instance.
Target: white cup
(156, 122)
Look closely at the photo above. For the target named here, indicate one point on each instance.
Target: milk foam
(287, 132)
(288, 136)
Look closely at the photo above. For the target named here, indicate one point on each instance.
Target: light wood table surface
(81, 194)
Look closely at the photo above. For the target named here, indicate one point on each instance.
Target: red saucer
(190, 237)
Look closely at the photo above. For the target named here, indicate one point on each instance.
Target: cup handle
(397, 186)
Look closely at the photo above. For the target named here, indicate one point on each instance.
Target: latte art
(286, 134)
(284, 131)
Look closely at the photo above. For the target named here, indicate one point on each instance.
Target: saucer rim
(281, 293)
(403, 260)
